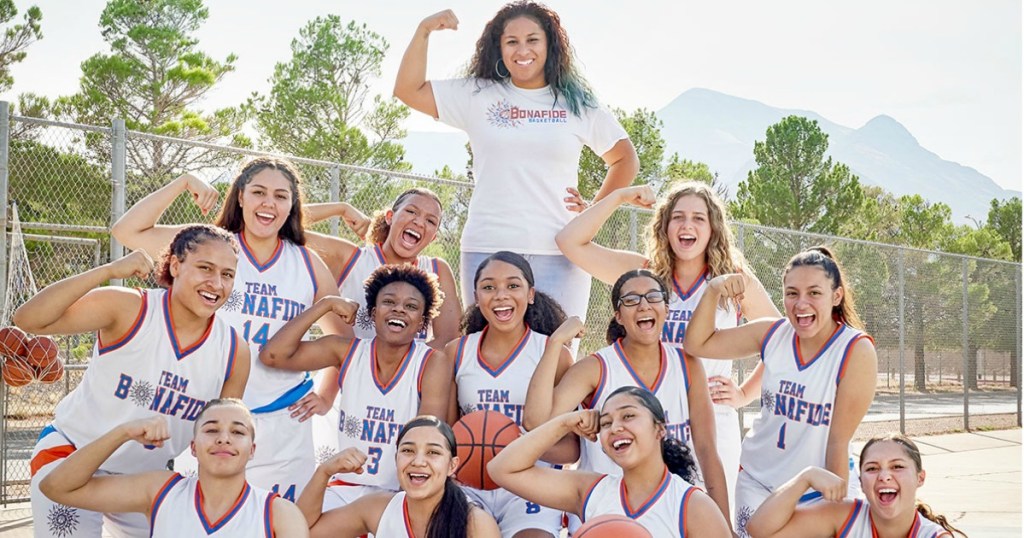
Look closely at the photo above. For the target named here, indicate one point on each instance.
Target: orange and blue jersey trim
(629, 367)
(224, 519)
(768, 335)
(434, 264)
(268, 515)
(686, 368)
(846, 354)
(158, 499)
(595, 396)
(495, 372)
(132, 331)
(847, 526)
(685, 294)
(586, 498)
(801, 364)
(378, 252)
(422, 372)
(406, 519)
(252, 257)
(347, 268)
(309, 268)
(460, 349)
(347, 361)
(683, 507)
(646, 505)
(385, 388)
(232, 352)
(50, 454)
(180, 352)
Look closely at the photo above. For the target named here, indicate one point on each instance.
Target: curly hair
(560, 73)
(231, 217)
(185, 242)
(379, 227)
(720, 255)
(544, 315)
(423, 281)
(823, 258)
(615, 329)
(677, 455)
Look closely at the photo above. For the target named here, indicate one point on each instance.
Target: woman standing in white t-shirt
(528, 113)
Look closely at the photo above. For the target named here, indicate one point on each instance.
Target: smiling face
(413, 225)
(224, 440)
(643, 322)
(889, 479)
(266, 202)
(424, 461)
(689, 228)
(503, 295)
(398, 314)
(524, 51)
(809, 299)
(203, 280)
(629, 434)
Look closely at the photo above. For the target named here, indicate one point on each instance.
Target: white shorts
(54, 520)
(513, 513)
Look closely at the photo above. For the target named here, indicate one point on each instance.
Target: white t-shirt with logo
(526, 152)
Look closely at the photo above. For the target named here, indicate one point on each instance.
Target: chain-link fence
(947, 327)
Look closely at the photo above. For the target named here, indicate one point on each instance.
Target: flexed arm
(138, 228)
(286, 349)
(411, 84)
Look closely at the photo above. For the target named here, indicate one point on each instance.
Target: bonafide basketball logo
(504, 115)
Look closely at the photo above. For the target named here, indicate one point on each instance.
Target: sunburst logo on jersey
(351, 426)
(500, 115)
(62, 520)
(363, 320)
(141, 393)
(323, 453)
(234, 301)
(767, 400)
(742, 518)
(467, 409)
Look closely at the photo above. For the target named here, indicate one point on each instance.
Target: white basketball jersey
(265, 297)
(502, 389)
(858, 524)
(363, 262)
(664, 514)
(147, 371)
(671, 388)
(394, 521)
(797, 403)
(373, 410)
(178, 511)
(680, 310)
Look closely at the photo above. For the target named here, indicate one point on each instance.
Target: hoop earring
(497, 71)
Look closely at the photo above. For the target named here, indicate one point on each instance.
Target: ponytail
(926, 512)
(451, 516)
(615, 331)
(678, 458)
(820, 256)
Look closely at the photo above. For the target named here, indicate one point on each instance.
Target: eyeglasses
(633, 299)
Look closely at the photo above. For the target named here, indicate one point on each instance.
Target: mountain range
(720, 130)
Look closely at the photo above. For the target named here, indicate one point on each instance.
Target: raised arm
(623, 166)
(138, 228)
(540, 394)
(702, 430)
(576, 240)
(446, 325)
(411, 84)
(853, 398)
(74, 305)
(515, 468)
(704, 340)
(287, 351)
(311, 502)
(779, 517)
(234, 386)
(72, 482)
(436, 387)
(355, 219)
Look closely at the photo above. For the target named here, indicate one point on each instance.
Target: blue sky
(950, 71)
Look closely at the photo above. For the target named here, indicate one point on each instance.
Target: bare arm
(703, 518)
(702, 430)
(411, 84)
(703, 340)
(311, 502)
(576, 240)
(72, 482)
(623, 165)
(138, 228)
(335, 322)
(779, 517)
(335, 252)
(286, 349)
(437, 384)
(756, 302)
(446, 324)
(355, 219)
(540, 395)
(726, 392)
(234, 386)
(481, 524)
(288, 520)
(853, 398)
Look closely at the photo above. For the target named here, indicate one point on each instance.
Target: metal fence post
(903, 336)
(741, 245)
(1020, 370)
(335, 196)
(5, 134)
(967, 423)
(632, 230)
(117, 179)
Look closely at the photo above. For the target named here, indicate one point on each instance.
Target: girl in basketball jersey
(819, 374)
(506, 331)
(689, 243)
(635, 356)
(277, 279)
(430, 504)
(157, 351)
(385, 381)
(655, 470)
(218, 501)
(890, 473)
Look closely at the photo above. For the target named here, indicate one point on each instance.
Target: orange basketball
(612, 526)
(479, 436)
(41, 350)
(12, 342)
(17, 372)
(49, 371)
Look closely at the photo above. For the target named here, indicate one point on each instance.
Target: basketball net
(20, 284)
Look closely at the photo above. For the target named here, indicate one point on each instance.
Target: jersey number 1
(782, 438)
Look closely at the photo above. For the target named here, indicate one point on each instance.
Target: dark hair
(676, 454)
(424, 282)
(230, 217)
(822, 257)
(186, 241)
(451, 516)
(544, 315)
(379, 227)
(615, 329)
(910, 449)
(221, 402)
(559, 71)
